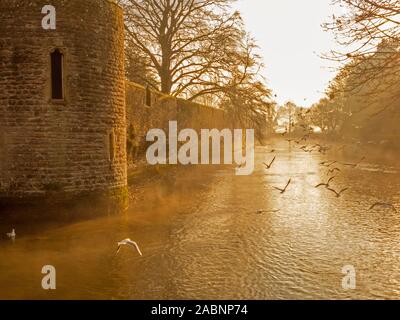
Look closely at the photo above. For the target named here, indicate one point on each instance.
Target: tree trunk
(166, 81)
(166, 77)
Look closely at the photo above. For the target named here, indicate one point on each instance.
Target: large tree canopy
(197, 50)
(187, 47)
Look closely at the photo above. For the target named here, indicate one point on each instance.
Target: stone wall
(61, 146)
(142, 117)
(77, 145)
(196, 116)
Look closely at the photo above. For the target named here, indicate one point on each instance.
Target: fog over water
(202, 238)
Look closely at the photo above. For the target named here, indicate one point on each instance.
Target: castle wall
(196, 116)
(77, 145)
(61, 146)
(142, 117)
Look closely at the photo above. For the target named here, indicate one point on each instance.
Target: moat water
(202, 238)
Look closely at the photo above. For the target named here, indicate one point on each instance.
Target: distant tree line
(363, 100)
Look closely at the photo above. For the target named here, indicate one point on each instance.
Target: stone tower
(62, 99)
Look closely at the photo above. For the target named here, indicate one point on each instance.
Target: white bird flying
(12, 234)
(129, 242)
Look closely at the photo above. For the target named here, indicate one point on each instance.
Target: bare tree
(249, 105)
(370, 29)
(189, 48)
(197, 50)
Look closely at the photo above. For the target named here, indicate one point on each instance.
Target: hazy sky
(290, 36)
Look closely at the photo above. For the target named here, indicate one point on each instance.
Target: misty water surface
(202, 237)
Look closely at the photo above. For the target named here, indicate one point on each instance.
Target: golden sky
(291, 39)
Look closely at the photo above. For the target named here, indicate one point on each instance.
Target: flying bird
(383, 205)
(284, 189)
(268, 166)
(305, 137)
(327, 185)
(261, 211)
(304, 148)
(328, 163)
(308, 150)
(323, 150)
(242, 165)
(333, 170)
(12, 234)
(338, 194)
(129, 242)
(355, 165)
(332, 163)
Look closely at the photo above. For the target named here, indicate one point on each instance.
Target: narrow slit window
(57, 90)
(111, 146)
(148, 97)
